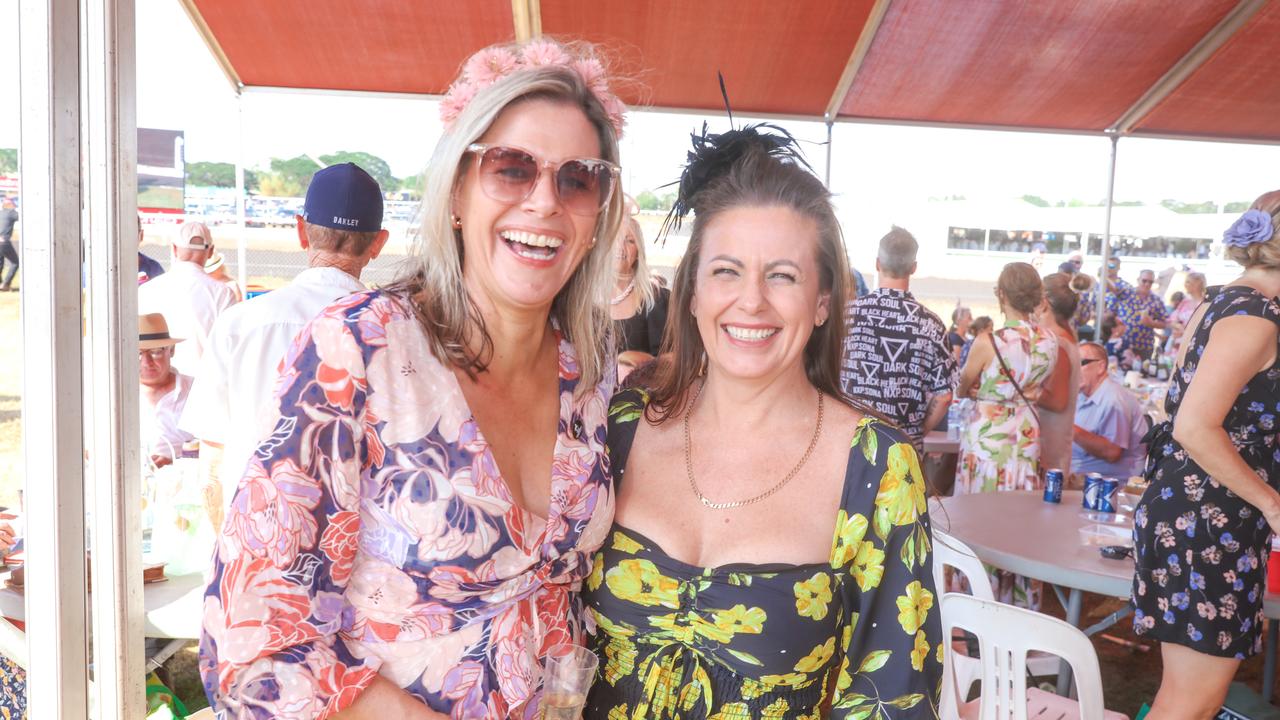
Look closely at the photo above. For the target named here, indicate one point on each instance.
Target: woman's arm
(382, 700)
(980, 353)
(1239, 347)
(284, 559)
(1057, 391)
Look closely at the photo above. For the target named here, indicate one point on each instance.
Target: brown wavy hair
(756, 179)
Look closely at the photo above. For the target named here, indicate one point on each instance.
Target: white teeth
(741, 333)
(531, 239)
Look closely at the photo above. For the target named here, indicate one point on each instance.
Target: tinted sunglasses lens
(584, 187)
(507, 174)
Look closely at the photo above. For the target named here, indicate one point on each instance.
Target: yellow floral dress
(859, 634)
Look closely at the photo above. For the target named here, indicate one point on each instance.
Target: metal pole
(57, 677)
(827, 179)
(110, 149)
(242, 263)
(1106, 242)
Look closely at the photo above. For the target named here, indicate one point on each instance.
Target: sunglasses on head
(1084, 362)
(509, 175)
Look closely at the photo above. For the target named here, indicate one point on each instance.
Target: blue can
(1092, 486)
(1053, 481)
(1107, 495)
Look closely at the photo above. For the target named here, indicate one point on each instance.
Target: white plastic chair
(1005, 635)
(948, 552)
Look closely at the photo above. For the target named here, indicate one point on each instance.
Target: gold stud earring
(457, 222)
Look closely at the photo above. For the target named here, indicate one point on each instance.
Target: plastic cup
(570, 670)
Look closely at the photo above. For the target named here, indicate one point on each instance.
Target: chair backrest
(1005, 634)
(948, 552)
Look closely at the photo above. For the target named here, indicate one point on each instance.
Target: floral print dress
(1000, 443)
(1201, 551)
(861, 631)
(372, 535)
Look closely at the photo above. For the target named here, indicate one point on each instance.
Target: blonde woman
(409, 541)
(639, 305)
(1195, 286)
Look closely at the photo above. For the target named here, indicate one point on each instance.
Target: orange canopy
(1193, 68)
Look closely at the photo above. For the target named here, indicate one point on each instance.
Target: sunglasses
(509, 175)
(1085, 362)
(154, 353)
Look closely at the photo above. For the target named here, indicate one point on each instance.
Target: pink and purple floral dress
(373, 535)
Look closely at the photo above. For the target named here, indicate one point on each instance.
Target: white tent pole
(1106, 242)
(110, 147)
(242, 254)
(49, 47)
(827, 178)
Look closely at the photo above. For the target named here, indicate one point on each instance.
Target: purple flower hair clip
(1254, 226)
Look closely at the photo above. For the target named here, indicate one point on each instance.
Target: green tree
(277, 184)
(211, 174)
(292, 171)
(1237, 207)
(372, 164)
(647, 200)
(1179, 206)
(1035, 200)
(8, 160)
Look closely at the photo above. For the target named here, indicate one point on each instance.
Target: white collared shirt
(158, 425)
(233, 402)
(190, 301)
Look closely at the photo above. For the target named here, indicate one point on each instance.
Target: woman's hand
(384, 700)
(1272, 514)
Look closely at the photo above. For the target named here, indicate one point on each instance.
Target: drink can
(1053, 480)
(1107, 495)
(1092, 485)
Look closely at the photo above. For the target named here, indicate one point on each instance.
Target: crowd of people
(526, 440)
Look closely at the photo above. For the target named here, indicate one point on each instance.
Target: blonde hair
(1265, 255)
(432, 282)
(641, 276)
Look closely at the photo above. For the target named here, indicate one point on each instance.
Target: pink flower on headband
(592, 73)
(490, 64)
(617, 112)
(541, 52)
(456, 100)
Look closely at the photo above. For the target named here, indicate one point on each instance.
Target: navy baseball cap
(344, 197)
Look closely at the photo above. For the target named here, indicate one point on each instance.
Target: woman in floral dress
(730, 588)
(410, 539)
(1203, 529)
(1006, 373)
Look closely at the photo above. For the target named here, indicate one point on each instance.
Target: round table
(1021, 533)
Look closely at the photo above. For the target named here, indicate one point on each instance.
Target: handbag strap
(1004, 367)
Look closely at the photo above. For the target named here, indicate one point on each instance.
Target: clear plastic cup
(570, 670)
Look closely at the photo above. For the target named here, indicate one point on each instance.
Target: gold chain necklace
(688, 461)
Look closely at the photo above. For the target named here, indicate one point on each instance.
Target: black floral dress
(745, 642)
(1201, 549)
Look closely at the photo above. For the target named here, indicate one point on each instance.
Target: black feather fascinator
(713, 154)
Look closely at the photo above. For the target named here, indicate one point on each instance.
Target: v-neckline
(528, 518)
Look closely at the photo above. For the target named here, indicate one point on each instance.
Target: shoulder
(873, 438)
(627, 406)
(1238, 300)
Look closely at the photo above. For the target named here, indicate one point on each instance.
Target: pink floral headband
(494, 63)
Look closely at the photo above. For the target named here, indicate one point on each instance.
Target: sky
(875, 168)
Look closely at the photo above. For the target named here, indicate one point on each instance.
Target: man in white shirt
(189, 299)
(162, 392)
(233, 405)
